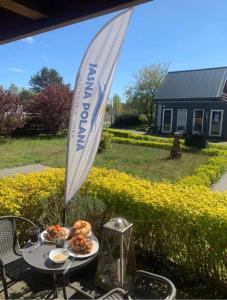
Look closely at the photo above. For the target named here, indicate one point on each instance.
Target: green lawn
(150, 163)
(22, 151)
(144, 162)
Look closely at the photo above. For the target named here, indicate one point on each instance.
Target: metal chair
(145, 285)
(12, 264)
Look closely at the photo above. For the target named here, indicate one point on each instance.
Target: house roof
(22, 18)
(193, 84)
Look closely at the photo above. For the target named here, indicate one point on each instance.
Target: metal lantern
(116, 261)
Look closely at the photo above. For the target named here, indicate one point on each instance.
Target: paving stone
(39, 285)
(221, 185)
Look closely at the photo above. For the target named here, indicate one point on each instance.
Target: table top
(39, 259)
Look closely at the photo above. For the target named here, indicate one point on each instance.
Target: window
(167, 120)
(216, 117)
(182, 119)
(197, 126)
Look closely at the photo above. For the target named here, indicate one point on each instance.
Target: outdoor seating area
(113, 146)
(27, 270)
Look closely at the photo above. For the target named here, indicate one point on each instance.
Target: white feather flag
(89, 101)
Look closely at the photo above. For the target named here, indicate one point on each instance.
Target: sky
(186, 34)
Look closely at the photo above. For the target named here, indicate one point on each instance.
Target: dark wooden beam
(21, 9)
(62, 13)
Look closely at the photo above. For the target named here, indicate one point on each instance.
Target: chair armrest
(163, 279)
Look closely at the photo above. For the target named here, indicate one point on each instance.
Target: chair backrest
(8, 235)
(8, 239)
(148, 285)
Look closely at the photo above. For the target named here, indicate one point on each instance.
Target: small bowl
(56, 252)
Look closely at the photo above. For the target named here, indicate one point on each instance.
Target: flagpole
(64, 214)
(67, 157)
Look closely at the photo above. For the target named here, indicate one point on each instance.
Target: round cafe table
(39, 260)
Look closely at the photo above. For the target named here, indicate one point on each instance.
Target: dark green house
(193, 102)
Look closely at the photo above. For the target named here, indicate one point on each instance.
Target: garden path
(221, 185)
(23, 170)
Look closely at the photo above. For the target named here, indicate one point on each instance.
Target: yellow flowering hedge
(25, 194)
(130, 135)
(120, 135)
(153, 144)
(208, 173)
(186, 225)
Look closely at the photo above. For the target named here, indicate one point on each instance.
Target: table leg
(65, 283)
(55, 286)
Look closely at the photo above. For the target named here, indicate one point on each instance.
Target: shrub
(146, 143)
(136, 136)
(32, 126)
(105, 141)
(213, 148)
(175, 223)
(152, 144)
(11, 113)
(217, 146)
(208, 173)
(51, 107)
(196, 140)
(119, 133)
(125, 121)
(27, 195)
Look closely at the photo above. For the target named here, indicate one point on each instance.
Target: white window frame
(220, 130)
(185, 130)
(163, 112)
(193, 122)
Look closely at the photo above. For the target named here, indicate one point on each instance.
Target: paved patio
(39, 285)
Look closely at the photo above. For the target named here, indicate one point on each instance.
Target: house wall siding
(207, 106)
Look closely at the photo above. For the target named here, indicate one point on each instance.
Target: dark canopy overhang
(22, 18)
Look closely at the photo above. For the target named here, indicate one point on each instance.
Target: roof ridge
(192, 70)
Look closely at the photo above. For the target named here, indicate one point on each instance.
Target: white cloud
(29, 40)
(16, 70)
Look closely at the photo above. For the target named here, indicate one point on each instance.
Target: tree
(13, 89)
(117, 105)
(26, 96)
(11, 112)
(140, 95)
(45, 77)
(52, 107)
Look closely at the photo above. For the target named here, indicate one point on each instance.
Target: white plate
(94, 250)
(44, 239)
